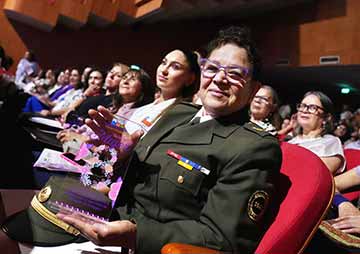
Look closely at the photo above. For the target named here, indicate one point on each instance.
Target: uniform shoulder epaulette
(256, 129)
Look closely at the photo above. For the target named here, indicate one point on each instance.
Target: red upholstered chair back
(305, 194)
(352, 157)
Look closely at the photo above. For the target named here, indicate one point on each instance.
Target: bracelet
(338, 199)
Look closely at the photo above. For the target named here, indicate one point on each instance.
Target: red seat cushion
(352, 157)
(304, 194)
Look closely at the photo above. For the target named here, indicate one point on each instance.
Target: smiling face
(219, 96)
(74, 78)
(262, 104)
(130, 87)
(173, 74)
(311, 121)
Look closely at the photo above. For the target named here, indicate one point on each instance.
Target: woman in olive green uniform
(207, 183)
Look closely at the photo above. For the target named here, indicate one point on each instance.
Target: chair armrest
(180, 248)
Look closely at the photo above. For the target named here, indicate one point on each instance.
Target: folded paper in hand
(51, 160)
(46, 121)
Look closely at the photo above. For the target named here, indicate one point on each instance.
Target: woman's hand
(120, 140)
(68, 135)
(64, 116)
(347, 224)
(348, 209)
(116, 233)
(45, 112)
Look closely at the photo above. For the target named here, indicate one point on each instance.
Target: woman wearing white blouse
(177, 77)
(314, 118)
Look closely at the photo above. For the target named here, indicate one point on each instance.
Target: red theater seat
(352, 157)
(305, 194)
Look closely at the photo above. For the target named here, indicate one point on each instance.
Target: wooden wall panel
(355, 56)
(104, 12)
(140, 2)
(74, 13)
(129, 10)
(332, 36)
(148, 7)
(41, 14)
(302, 35)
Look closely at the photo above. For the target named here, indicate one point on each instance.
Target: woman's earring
(323, 125)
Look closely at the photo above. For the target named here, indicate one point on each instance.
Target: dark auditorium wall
(300, 34)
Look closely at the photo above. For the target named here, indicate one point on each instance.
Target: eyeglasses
(311, 108)
(262, 99)
(234, 74)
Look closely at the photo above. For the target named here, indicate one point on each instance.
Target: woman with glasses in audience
(264, 109)
(177, 78)
(134, 89)
(106, 99)
(315, 122)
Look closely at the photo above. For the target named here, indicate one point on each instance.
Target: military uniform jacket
(223, 209)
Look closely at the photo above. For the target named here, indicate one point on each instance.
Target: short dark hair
(87, 77)
(242, 37)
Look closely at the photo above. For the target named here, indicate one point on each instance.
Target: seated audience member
(288, 127)
(217, 203)
(345, 112)
(177, 78)
(92, 88)
(135, 90)
(355, 141)
(85, 74)
(63, 103)
(264, 109)
(314, 118)
(112, 82)
(343, 215)
(285, 111)
(342, 131)
(41, 86)
(36, 104)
